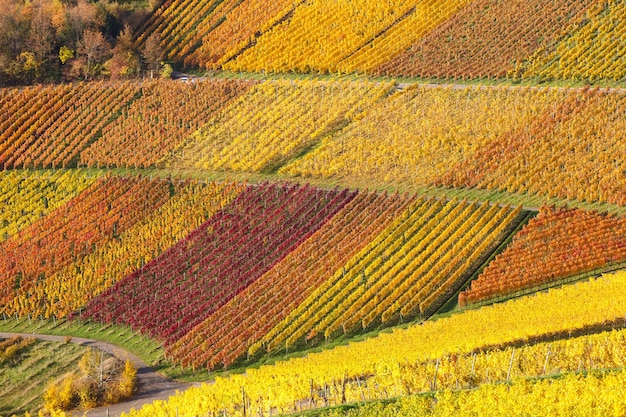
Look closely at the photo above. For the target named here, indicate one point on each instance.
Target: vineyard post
(243, 400)
(343, 389)
(508, 375)
(311, 399)
(5, 318)
(472, 371)
(326, 394)
(29, 322)
(358, 381)
(545, 365)
(434, 385)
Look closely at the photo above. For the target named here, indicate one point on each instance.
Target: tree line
(66, 40)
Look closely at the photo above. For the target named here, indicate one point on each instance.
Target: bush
(102, 380)
(60, 394)
(126, 384)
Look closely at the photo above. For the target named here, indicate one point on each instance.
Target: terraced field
(410, 207)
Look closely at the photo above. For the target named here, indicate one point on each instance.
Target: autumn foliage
(203, 271)
(557, 244)
(397, 363)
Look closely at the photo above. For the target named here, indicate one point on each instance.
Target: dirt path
(151, 386)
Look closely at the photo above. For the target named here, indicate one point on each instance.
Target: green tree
(166, 70)
(65, 54)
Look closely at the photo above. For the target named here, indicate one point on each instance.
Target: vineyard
(203, 271)
(554, 245)
(275, 122)
(344, 208)
(226, 274)
(469, 348)
(461, 39)
(204, 251)
(487, 38)
(517, 140)
(158, 121)
(26, 197)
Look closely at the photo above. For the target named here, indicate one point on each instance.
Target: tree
(102, 380)
(41, 38)
(125, 61)
(14, 27)
(65, 54)
(95, 50)
(81, 17)
(166, 70)
(126, 384)
(153, 52)
(92, 366)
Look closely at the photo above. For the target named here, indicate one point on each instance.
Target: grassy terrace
(24, 379)
(151, 352)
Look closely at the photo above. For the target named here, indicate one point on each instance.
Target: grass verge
(148, 350)
(23, 380)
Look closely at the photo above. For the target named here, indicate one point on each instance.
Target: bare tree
(14, 26)
(153, 52)
(81, 17)
(95, 50)
(41, 37)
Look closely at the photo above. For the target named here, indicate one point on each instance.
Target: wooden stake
(243, 400)
(435, 376)
(358, 381)
(545, 365)
(473, 363)
(508, 375)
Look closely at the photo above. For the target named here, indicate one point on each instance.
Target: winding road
(151, 386)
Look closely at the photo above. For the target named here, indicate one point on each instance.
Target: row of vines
(550, 143)
(100, 124)
(461, 39)
(557, 244)
(471, 347)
